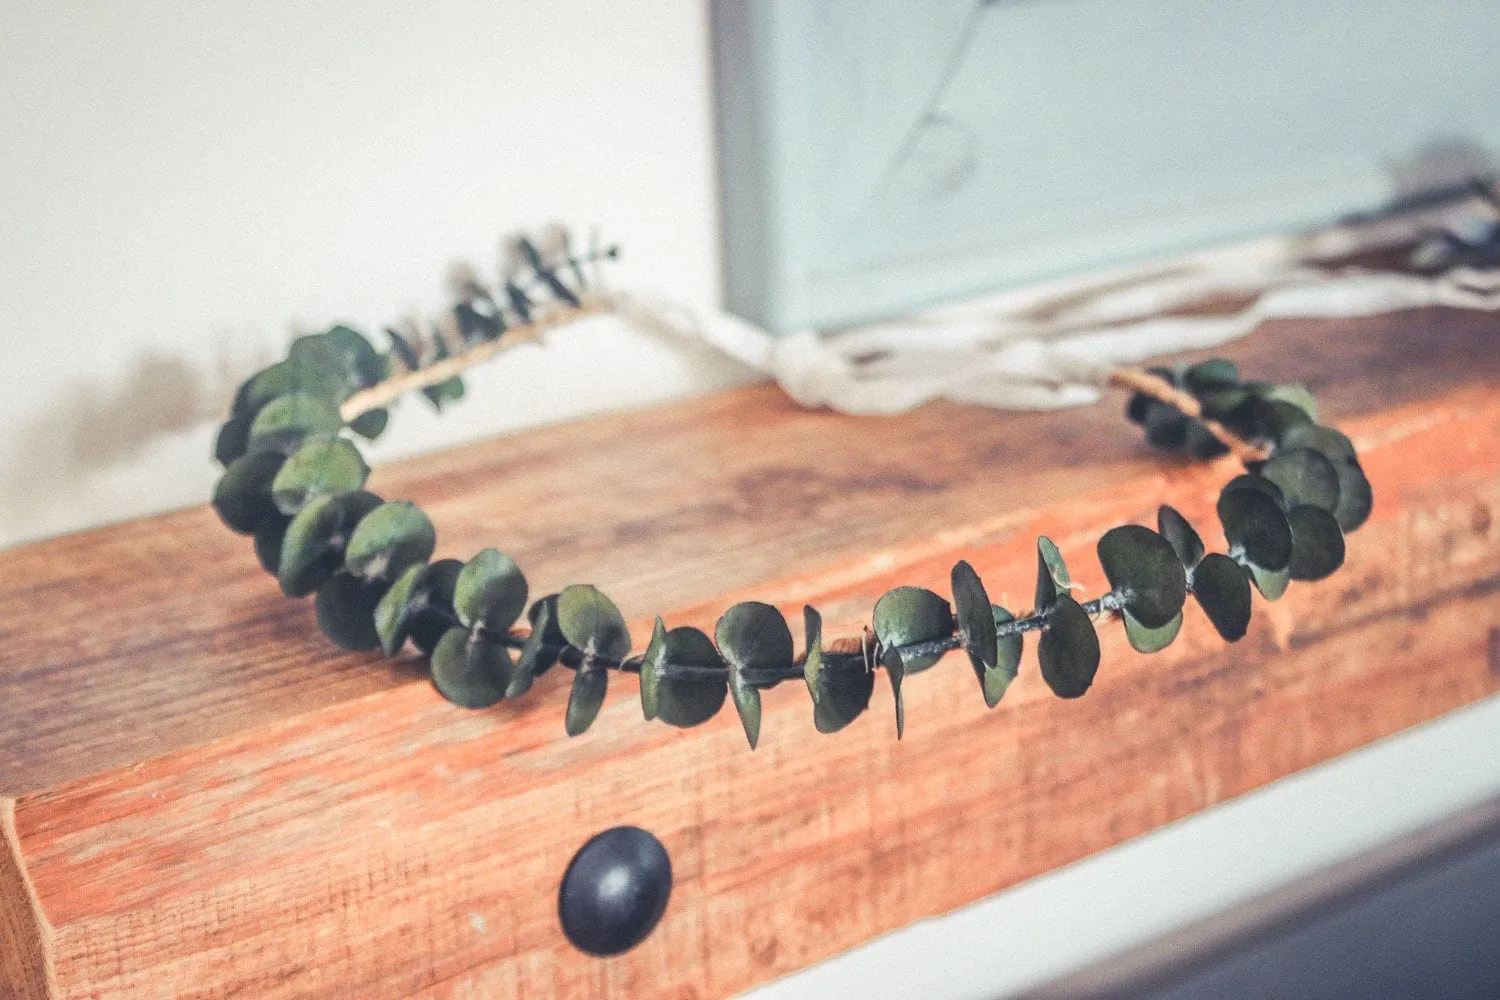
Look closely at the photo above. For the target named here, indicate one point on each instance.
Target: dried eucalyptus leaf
(313, 547)
(1271, 583)
(839, 693)
(906, 616)
(320, 465)
(1143, 567)
(1332, 444)
(491, 592)
(283, 422)
(1223, 591)
(681, 702)
(1150, 640)
(469, 670)
(1317, 543)
(1051, 574)
(586, 698)
(433, 614)
(242, 496)
(388, 539)
(346, 610)
(1180, 535)
(591, 623)
(1007, 662)
(1255, 524)
(1069, 649)
(1356, 499)
(394, 612)
(1304, 476)
(752, 636)
(976, 622)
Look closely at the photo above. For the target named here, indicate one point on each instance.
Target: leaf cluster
(295, 480)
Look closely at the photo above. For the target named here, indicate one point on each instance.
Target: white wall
(183, 185)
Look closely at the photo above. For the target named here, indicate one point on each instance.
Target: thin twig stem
(1158, 388)
(384, 393)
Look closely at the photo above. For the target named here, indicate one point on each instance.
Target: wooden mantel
(200, 797)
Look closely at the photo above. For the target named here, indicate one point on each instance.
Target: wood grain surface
(209, 802)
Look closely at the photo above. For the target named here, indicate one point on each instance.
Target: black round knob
(615, 890)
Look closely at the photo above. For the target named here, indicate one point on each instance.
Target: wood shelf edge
(27, 970)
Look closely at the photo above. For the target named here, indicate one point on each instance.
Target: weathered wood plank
(210, 804)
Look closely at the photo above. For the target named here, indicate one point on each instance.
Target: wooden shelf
(201, 797)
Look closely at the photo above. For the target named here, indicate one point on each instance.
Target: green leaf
(976, 621)
(388, 539)
(589, 686)
(895, 669)
(321, 465)
(1150, 640)
(448, 391)
(1271, 583)
(233, 438)
(346, 610)
(1275, 418)
(242, 496)
(906, 616)
(313, 547)
(1166, 426)
(1215, 373)
(1356, 499)
(491, 592)
(394, 613)
(469, 670)
(1317, 543)
(1255, 524)
(269, 536)
(1008, 660)
(752, 636)
(283, 422)
(432, 615)
(371, 424)
(1251, 481)
(839, 693)
(1069, 649)
(1332, 444)
(591, 623)
(680, 702)
(542, 647)
(1180, 535)
(262, 387)
(1143, 568)
(1052, 577)
(1223, 591)
(334, 365)
(1304, 476)
(1298, 396)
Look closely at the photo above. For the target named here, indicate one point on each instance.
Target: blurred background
(185, 186)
